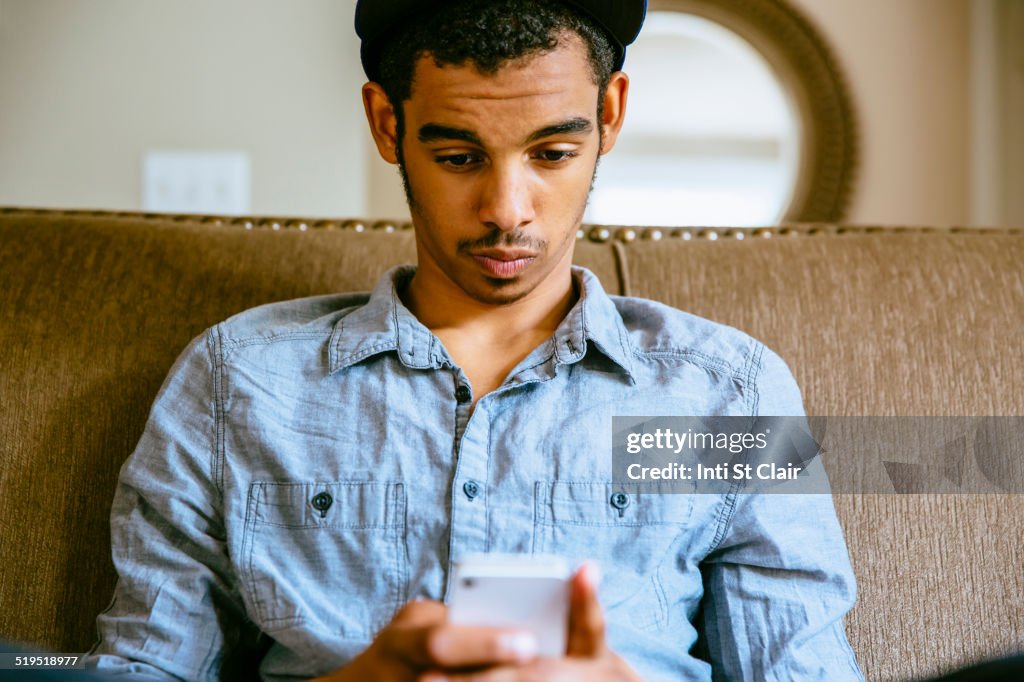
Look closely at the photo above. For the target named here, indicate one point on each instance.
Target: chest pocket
(630, 530)
(327, 556)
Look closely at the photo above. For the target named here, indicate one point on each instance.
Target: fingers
(421, 636)
(420, 612)
(586, 619)
(404, 640)
(461, 646)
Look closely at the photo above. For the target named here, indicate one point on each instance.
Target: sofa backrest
(94, 308)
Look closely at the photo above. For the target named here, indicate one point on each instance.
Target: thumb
(586, 620)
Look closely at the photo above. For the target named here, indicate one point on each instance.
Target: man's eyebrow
(574, 126)
(435, 132)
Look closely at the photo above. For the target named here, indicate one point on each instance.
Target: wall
(906, 64)
(86, 86)
(997, 112)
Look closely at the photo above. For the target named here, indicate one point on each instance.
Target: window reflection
(710, 136)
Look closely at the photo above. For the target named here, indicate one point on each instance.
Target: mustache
(499, 239)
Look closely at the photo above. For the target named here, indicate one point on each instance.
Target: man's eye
(556, 155)
(458, 160)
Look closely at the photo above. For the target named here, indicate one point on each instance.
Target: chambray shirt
(310, 466)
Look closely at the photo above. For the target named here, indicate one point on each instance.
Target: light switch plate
(196, 182)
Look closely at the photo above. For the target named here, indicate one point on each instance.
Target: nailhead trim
(595, 233)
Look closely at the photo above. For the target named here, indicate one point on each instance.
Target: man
(311, 469)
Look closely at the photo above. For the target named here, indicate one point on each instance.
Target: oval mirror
(738, 115)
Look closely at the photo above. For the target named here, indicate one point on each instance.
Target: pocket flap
(601, 503)
(338, 504)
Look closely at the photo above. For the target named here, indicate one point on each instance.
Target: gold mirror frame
(810, 73)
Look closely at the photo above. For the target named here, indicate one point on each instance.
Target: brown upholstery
(95, 307)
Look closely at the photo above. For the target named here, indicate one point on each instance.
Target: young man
(311, 469)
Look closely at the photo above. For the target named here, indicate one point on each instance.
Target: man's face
(498, 170)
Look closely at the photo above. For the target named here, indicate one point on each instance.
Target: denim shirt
(310, 466)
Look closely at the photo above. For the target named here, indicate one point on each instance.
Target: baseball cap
(376, 19)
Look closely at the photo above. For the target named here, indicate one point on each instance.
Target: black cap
(375, 19)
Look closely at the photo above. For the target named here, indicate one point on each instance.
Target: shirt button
(471, 488)
(620, 501)
(322, 502)
(462, 393)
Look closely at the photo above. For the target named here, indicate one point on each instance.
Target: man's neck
(538, 313)
(486, 340)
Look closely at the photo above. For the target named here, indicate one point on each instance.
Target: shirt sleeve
(175, 613)
(779, 582)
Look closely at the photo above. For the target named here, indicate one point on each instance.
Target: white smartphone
(512, 590)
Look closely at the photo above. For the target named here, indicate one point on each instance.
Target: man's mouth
(503, 263)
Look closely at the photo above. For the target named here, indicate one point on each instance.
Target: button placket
(469, 504)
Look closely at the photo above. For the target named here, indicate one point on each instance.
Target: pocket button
(620, 501)
(322, 502)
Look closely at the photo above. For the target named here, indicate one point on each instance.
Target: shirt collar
(383, 324)
(593, 320)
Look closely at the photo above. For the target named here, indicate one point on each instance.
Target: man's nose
(506, 199)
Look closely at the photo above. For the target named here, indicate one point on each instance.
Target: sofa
(95, 306)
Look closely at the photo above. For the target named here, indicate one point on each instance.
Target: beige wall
(1011, 113)
(86, 86)
(997, 112)
(906, 63)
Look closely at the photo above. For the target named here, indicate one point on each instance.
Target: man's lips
(504, 254)
(503, 263)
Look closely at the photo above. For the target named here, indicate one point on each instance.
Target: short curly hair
(488, 34)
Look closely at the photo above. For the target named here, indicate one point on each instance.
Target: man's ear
(383, 122)
(614, 109)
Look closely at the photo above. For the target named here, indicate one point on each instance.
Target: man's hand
(588, 657)
(420, 638)
(421, 645)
